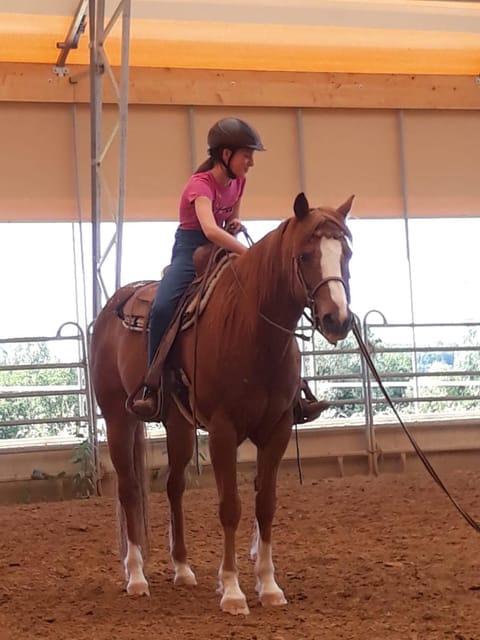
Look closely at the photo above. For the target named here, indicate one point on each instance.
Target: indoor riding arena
(104, 113)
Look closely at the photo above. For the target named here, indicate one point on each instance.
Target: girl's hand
(234, 226)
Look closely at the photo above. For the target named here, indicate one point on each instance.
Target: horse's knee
(230, 511)
(265, 511)
(175, 484)
(129, 489)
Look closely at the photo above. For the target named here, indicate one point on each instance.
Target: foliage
(337, 367)
(449, 376)
(449, 381)
(83, 478)
(199, 459)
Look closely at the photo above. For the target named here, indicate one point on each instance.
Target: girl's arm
(203, 209)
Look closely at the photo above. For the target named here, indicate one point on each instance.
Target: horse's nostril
(328, 321)
(332, 324)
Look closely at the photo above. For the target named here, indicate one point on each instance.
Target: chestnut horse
(246, 381)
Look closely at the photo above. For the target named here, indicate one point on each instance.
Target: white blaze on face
(331, 266)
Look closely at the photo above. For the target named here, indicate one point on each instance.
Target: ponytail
(214, 157)
(205, 166)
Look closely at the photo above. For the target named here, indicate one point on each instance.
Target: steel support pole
(99, 67)
(192, 138)
(123, 115)
(96, 86)
(406, 212)
(301, 150)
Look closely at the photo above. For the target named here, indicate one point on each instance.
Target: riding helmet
(233, 133)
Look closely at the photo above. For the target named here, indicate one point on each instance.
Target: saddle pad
(136, 309)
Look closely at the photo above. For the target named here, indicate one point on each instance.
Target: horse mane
(272, 257)
(252, 279)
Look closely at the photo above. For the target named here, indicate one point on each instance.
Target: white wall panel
(345, 151)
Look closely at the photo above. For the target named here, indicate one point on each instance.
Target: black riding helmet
(233, 134)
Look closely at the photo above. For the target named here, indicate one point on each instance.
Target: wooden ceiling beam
(37, 83)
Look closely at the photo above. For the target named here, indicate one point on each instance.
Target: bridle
(310, 292)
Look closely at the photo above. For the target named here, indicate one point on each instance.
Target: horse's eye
(304, 257)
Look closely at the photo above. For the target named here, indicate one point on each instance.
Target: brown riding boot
(146, 406)
(308, 408)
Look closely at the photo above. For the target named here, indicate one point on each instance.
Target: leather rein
(309, 293)
(310, 299)
(418, 450)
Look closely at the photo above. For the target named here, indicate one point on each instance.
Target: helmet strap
(230, 173)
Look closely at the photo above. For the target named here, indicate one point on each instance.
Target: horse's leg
(126, 445)
(180, 446)
(223, 453)
(268, 461)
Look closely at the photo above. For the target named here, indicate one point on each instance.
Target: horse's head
(322, 254)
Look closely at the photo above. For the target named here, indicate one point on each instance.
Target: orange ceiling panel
(242, 46)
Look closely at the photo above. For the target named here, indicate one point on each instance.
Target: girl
(209, 204)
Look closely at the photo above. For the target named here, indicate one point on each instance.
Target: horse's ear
(344, 209)
(301, 206)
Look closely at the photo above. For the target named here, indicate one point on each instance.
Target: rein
(427, 464)
(271, 322)
(309, 293)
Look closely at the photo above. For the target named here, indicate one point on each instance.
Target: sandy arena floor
(360, 559)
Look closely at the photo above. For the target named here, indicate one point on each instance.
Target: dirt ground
(359, 558)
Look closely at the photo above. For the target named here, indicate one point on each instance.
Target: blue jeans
(178, 275)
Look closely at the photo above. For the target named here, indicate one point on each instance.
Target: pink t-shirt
(223, 197)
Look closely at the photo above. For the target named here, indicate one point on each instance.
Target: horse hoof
(273, 599)
(183, 574)
(186, 577)
(138, 588)
(235, 606)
